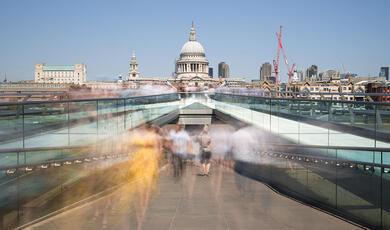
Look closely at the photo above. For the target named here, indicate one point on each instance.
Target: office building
(312, 73)
(384, 73)
(211, 72)
(223, 70)
(265, 71)
(74, 74)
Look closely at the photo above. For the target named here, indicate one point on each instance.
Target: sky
(346, 35)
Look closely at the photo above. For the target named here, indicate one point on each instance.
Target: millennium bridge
(295, 164)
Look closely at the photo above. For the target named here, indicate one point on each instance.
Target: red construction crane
(276, 63)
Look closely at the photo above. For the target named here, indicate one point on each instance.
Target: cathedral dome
(192, 47)
(192, 61)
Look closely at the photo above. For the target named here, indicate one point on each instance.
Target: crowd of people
(177, 146)
(151, 143)
(182, 149)
(152, 146)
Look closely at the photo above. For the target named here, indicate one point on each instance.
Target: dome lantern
(192, 46)
(192, 33)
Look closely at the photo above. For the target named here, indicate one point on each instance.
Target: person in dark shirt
(205, 147)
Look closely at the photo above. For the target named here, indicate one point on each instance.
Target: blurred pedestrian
(143, 169)
(205, 145)
(180, 147)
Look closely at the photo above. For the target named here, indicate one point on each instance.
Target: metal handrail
(81, 159)
(334, 147)
(332, 161)
(307, 99)
(305, 157)
(35, 149)
(81, 100)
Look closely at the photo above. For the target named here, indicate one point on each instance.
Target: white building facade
(192, 61)
(74, 74)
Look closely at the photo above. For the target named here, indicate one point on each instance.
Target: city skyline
(103, 35)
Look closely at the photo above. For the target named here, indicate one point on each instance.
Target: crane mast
(276, 62)
(290, 69)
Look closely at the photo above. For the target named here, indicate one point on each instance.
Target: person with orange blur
(144, 167)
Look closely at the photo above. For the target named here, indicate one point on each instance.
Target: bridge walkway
(224, 200)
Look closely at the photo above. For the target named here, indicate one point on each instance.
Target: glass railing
(75, 122)
(56, 154)
(319, 122)
(340, 159)
(37, 181)
(329, 177)
(50, 151)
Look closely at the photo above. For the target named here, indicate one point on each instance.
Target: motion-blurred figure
(180, 148)
(205, 145)
(244, 145)
(144, 167)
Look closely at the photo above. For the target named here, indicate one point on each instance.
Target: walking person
(143, 171)
(180, 148)
(205, 145)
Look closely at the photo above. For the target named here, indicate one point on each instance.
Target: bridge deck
(225, 200)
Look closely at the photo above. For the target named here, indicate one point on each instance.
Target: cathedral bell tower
(133, 71)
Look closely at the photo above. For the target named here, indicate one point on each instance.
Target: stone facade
(75, 74)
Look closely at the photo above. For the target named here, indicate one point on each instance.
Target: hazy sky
(102, 34)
